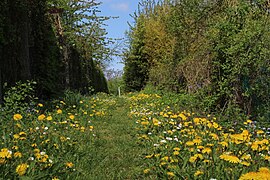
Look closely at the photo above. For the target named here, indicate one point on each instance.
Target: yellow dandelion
(17, 117)
(40, 105)
(59, 111)
(197, 141)
(214, 136)
(192, 159)
(229, 158)
(189, 143)
(5, 153)
(71, 117)
(15, 147)
(267, 158)
(144, 123)
(149, 156)
(245, 163)
(170, 174)
(49, 118)
(182, 116)
(16, 136)
(21, 169)
(41, 117)
(246, 157)
(176, 149)
(2, 161)
(17, 155)
(197, 173)
(206, 150)
(69, 164)
(200, 156)
(146, 171)
(176, 153)
(260, 132)
(224, 144)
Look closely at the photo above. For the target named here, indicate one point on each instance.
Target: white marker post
(119, 91)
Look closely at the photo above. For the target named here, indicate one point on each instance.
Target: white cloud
(120, 6)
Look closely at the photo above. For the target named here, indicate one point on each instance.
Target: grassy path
(115, 154)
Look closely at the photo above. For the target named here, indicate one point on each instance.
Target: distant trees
(58, 43)
(215, 49)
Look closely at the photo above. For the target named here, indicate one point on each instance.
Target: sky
(116, 27)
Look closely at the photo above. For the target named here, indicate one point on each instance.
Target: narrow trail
(115, 153)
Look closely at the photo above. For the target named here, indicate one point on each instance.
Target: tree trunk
(1, 85)
(24, 47)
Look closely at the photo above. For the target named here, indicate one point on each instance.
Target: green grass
(115, 153)
(137, 136)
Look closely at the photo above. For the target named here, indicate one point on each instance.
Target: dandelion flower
(21, 169)
(146, 171)
(197, 141)
(192, 159)
(16, 136)
(197, 173)
(41, 117)
(49, 118)
(170, 174)
(245, 163)
(206, 150)
(189, 143)
(59, 111)
(17, 155)
(229, 158)
(69, 164)
(17, 117)
(5, 153)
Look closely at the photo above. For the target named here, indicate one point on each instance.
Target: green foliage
(114, 84)
(19, 97)
(216, 50)
(59, 44)
(136, 62)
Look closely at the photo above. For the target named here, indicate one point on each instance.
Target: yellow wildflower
(146, 171)
(189, 143)
(59, 111)
(5, 153)
(206, 150)
(229, 158)
(69, 164)
(41, 117)
(197, 141)
(192, 159)
(16, 136)
(170, 174)
(21, 169)
(17, 155)
(17, 117)
(245, 163)
(197, 173)
(49, 118)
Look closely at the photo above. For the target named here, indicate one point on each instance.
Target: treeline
(216, 50)
(60, 44)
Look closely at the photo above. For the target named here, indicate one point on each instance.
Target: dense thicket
(217, 50)
(59, 44)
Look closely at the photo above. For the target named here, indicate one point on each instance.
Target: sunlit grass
(138, 136)
(186, 145)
